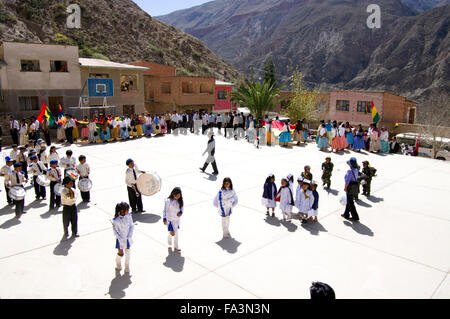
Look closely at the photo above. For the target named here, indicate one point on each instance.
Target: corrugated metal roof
(97, 63)
(218, 83)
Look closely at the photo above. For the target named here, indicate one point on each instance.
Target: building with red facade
(223, 97)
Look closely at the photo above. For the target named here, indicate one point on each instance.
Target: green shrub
(60, 38)
(100, 56)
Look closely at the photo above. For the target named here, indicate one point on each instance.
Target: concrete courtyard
(399, 249)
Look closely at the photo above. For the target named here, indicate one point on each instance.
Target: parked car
(426, 145)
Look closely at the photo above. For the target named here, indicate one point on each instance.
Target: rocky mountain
(329, 40)
(111, 29)
(424, 5)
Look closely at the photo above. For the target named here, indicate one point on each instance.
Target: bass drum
(17, 193)
(43, 181)
(85, 185)
(149, 184)
(58, 189)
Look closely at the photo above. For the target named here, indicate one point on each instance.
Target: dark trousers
(214, 165)
(38, 189)
(19, 207)
(350, 208)
(70, 216)
(69, 136)
(169, 127)
(135, 200)
(15, 137)
(47, 138)
(366, 187)
(8, 199)
(219, 126)
(25, 169)
(54, 199)
(86, 196)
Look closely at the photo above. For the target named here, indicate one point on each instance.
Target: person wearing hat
(37, 168)
(134, 196)
(17, 178)
(211, 150)
(54, 175)
(368, 172)
(352, 189)
(70, 212)
(23, 159)
(327, 169)
(5, 171)
(304, 200)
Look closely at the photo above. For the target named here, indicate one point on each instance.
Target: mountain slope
(114, 29)
(328, 40)
(424, 5)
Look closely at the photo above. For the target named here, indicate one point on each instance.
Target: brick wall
(156, 69)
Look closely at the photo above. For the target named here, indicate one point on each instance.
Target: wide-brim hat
(353, 162)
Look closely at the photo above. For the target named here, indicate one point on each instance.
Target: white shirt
(83, 170)
(11, 179)
(54, 174)
(123, 227)
(171, 211)
(53, 157)
(67, 162)
(14, 155)
(236, 120)
(65, 199)
(23, 129)
(37, 169)
(130, 177)
(229, 200)
(6, 170)
(70, 123)
(384, 136)
(14, 125)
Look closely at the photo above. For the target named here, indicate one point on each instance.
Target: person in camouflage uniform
(327, 169)
(368, 172)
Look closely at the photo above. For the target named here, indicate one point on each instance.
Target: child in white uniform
(226, 200)
(269, 195)
(304, 200)
(173, 210)
(286, 199)
(123, 228)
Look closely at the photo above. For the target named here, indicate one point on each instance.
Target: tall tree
(258, 98)
(270, 73)
(304, 101)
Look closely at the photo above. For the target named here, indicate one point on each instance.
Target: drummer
(37, 168)
(23, 159)
(68, 163)
(5, 171)
(84, 170)
(134, 196)
(54, 175)
(17, 178)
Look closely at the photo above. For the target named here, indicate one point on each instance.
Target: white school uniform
(286, 198)
(67, 163)
(304, 204)
(52, 157)
(170, 215)
(225, 201)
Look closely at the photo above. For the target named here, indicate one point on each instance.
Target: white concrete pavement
(399, 249)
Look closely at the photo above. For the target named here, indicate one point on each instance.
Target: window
(128, 83)
(187, 88)
(166, 88)
(322, 107)
(29, 103)
(205, 88)
(98, 76)
(58, 66)
(343, 105)
(30, 66)
(222, 94)
(364, 107)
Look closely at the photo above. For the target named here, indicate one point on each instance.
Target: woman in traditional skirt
(323, 138)
(85, 129)
(349, 135)
(335, 142)
(269, 133)
(341, 136)
(76, 132)
(384, 139)
(305, 131)
(124, 134)
(140, 130)
(285, 136)
(375, 145)
(358, 143)
(105, 133)
(148, 127)
(157, 125)
(298, 133)
(163, 125)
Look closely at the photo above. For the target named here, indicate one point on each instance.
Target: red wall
(223, 104)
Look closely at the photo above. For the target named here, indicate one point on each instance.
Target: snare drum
(85, 184)
(149, 184)
(58, 188)
(43, 180)
(17, 193)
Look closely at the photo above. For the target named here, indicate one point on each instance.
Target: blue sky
(161, 7)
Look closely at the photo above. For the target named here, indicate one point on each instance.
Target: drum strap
(134, 173)
(18, 179)
(39, 166)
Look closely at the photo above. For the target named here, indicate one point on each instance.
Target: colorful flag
(417, 144)
(45, 112)
(375, 115)
(396, 124)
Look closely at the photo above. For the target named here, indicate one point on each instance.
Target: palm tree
(258, 98)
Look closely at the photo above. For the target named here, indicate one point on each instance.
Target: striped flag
(396, 124)
(45, 112)
(375, 116)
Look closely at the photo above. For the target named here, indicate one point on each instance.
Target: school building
(355, 107)
(30, 72)
(223, 97)
(165, 91)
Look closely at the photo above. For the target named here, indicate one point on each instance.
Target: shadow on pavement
(51, 213)
(231, 245)
(6, 210)
(10, 223)
(63, 247)
(314, 228)
(359, 228)
(211, 177)
(374, 199)
(363, 204)
(36, 204)
(146, 218)
(273, 221)
(291, 227)
(332, 191)
(118, 285)
(174, 261)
